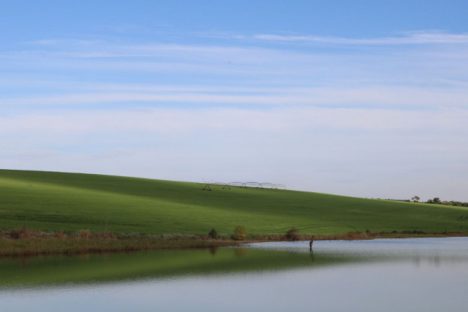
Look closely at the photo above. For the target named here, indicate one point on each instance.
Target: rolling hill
(71, 202)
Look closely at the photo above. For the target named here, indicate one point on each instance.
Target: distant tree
(213, 234)
(239, 233)
(415, 198)
(292, 234)
(435, 200)
(207, 187)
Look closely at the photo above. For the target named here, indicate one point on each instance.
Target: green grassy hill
(68, 201)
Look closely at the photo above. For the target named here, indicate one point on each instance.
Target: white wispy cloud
(243, 61)
(392, 97)
(165, 120)
(423, 37)
(414, 38)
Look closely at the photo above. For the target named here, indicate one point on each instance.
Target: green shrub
(292, 234)
(213, 234)
(239, 233)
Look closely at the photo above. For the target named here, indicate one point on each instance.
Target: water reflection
(92, 269)
(56, 270)
(379, 275)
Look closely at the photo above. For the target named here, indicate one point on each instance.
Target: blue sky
(365, 98)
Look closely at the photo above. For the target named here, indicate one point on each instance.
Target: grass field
(53, 201)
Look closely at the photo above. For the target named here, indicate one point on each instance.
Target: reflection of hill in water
(92, 269)
(146, 265)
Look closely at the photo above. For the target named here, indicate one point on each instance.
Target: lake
(420, 274)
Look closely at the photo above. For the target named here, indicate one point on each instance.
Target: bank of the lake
(74, 246)
(23, 242)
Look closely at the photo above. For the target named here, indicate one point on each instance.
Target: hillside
(70, 202)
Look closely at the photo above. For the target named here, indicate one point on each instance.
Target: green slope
(69, 201)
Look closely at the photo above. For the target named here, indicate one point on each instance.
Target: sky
(362, 98)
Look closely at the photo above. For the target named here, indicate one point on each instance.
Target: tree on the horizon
(415, 198)
(435, 200)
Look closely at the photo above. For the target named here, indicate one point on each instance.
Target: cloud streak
(395, 97)
(179, 120)
(415, 38)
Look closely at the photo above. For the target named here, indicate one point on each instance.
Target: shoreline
(70, 247)
(31, 243)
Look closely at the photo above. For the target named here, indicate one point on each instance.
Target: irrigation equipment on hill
(249, 184)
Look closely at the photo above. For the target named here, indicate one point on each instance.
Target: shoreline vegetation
(28, 243)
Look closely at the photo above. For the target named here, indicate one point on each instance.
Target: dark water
(378, 275)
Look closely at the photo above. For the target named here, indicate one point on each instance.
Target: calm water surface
(429, 274)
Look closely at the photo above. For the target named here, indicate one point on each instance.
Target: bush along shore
(27, 242)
